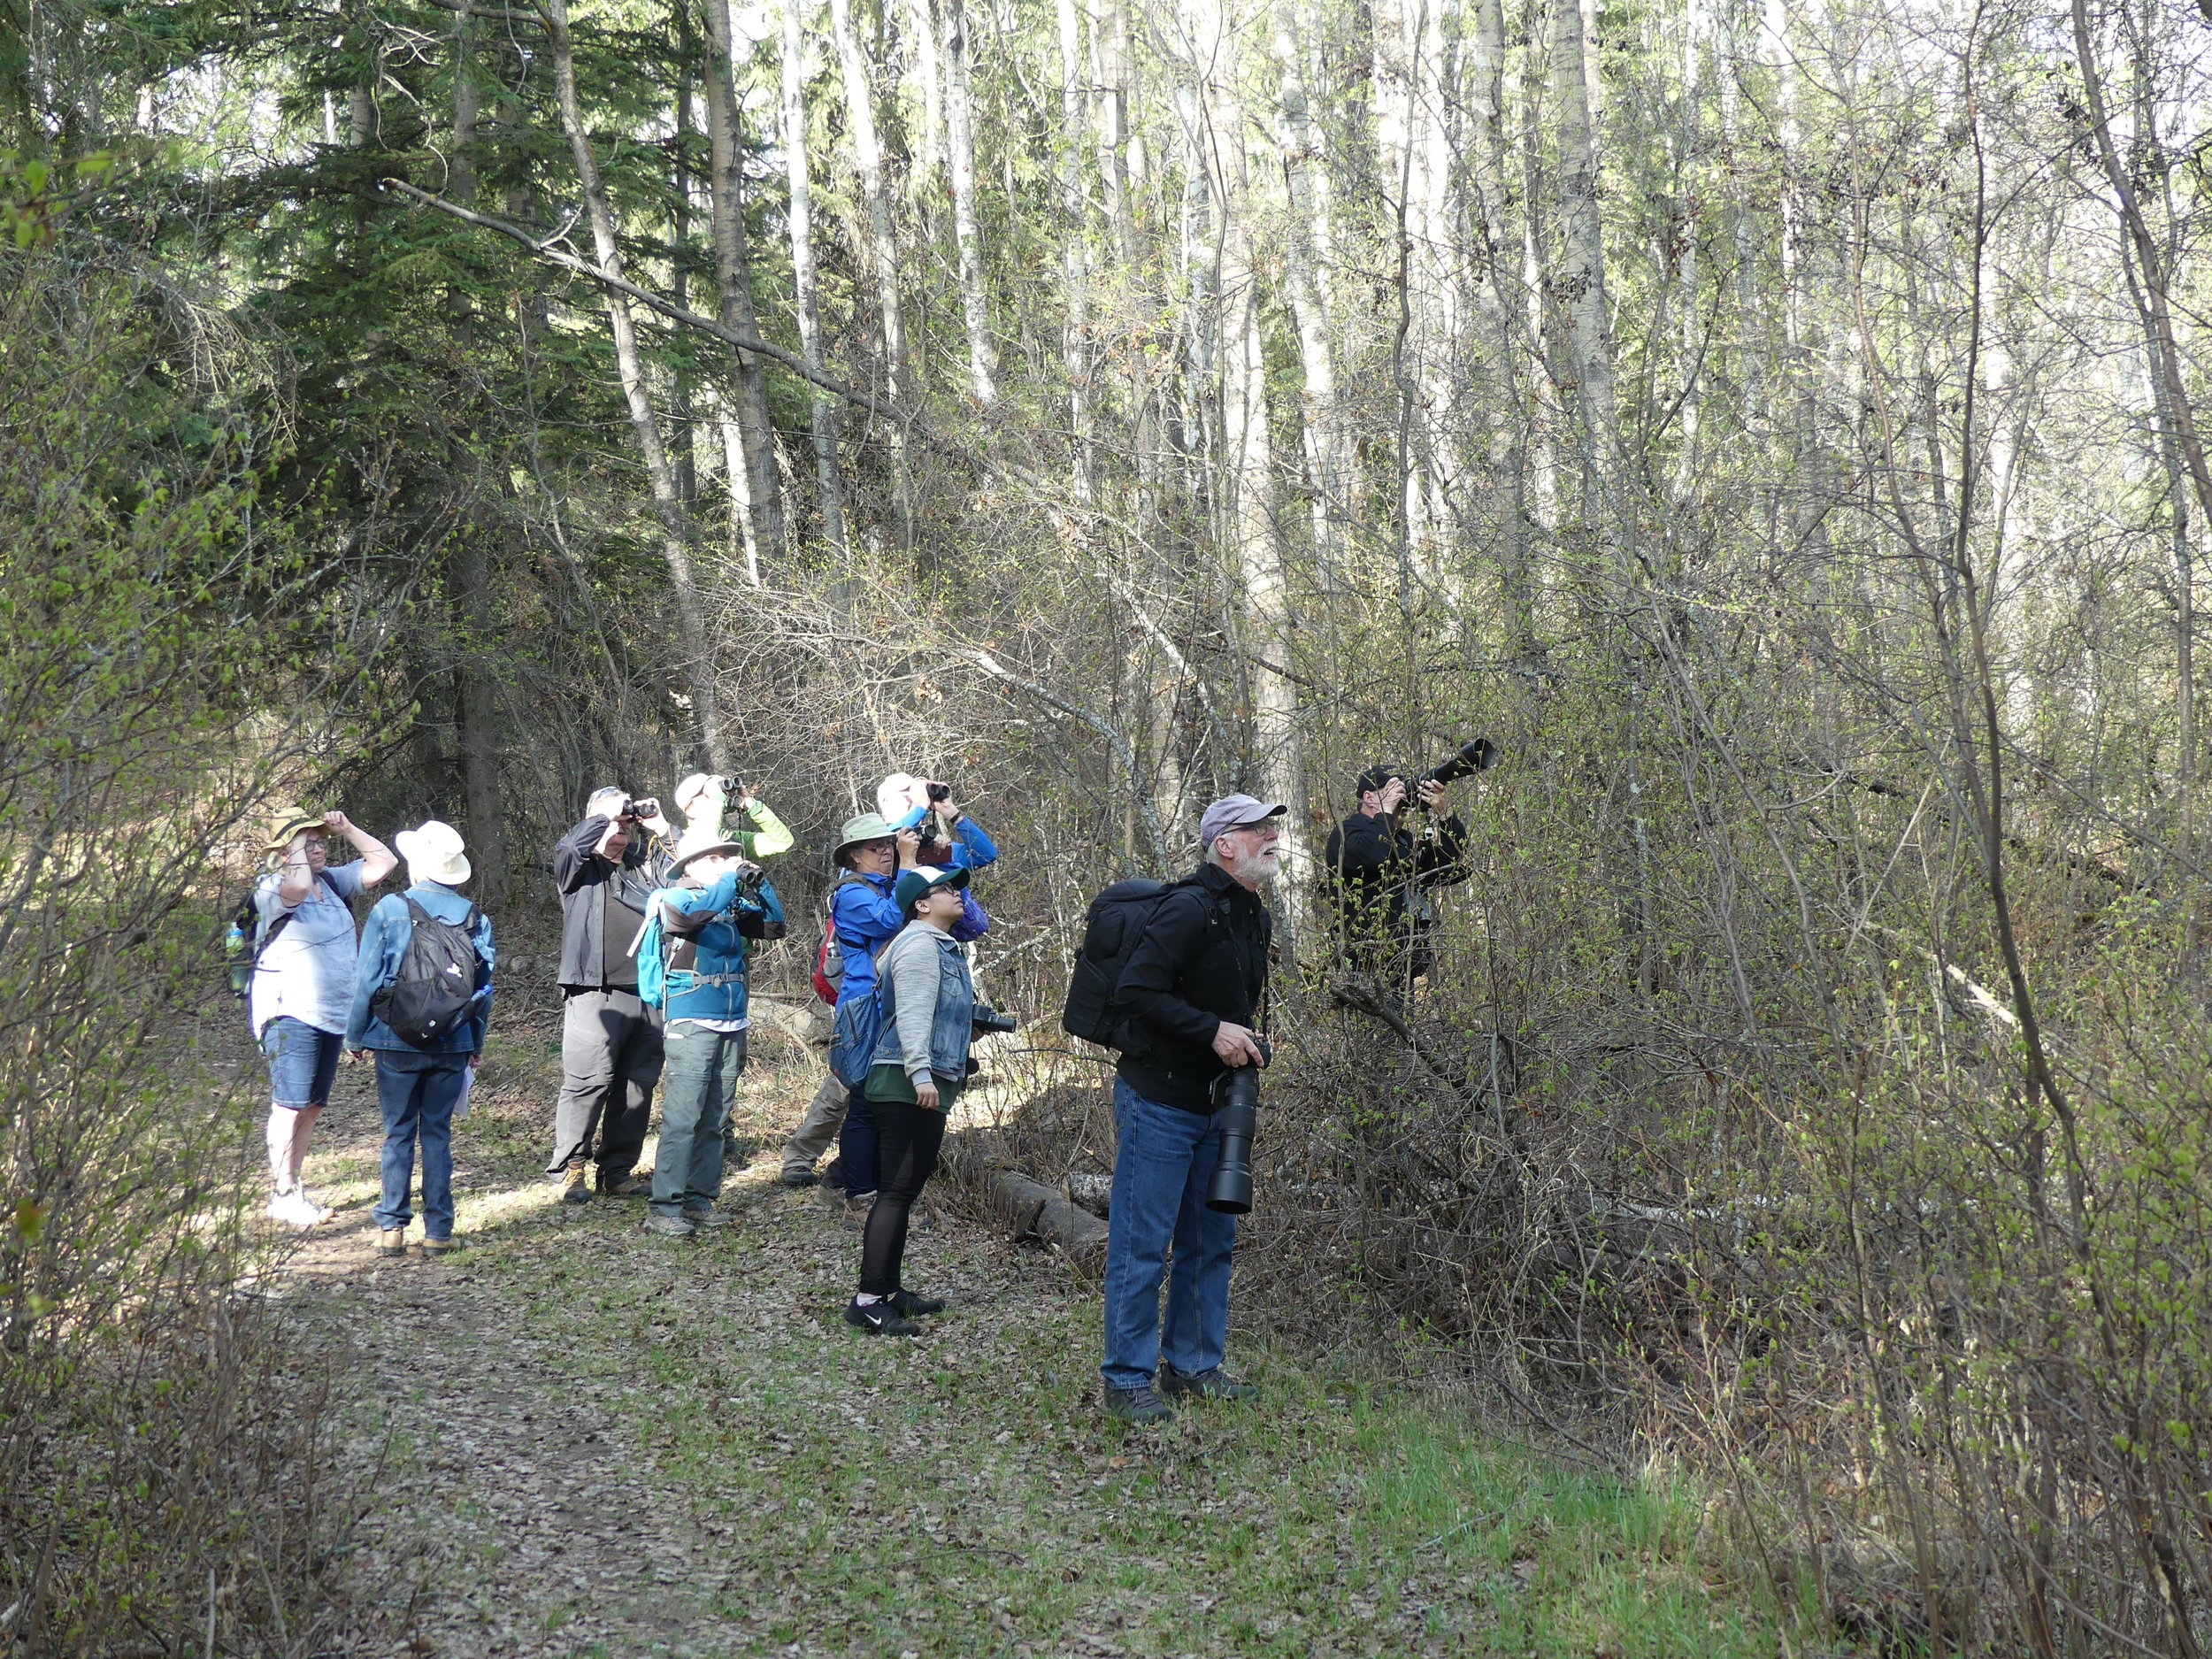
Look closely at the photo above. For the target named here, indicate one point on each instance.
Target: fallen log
(1032, 1208)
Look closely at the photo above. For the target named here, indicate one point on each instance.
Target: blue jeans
(303, 1061)
(697, 1084)
(417, 1092)
(857, 1141)
(1164, 1161)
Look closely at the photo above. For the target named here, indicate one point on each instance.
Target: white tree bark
(805, 283)
(1321, 415)
(754, 497)
(860, 114)
(1580, 278)
(1247, 470)
(1075, 251)
(960, 136)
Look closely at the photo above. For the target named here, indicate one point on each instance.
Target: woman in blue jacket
(417, 1087)
(718, 906)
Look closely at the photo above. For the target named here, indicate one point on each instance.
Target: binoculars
(1239, 1093)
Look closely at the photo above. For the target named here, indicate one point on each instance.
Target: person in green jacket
(706, 800)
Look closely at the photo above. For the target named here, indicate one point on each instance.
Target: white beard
(1257, 869)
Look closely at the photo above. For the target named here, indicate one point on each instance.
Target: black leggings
(906, 1154)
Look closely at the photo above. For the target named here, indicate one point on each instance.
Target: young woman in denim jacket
(921, 1059)
(870, 859)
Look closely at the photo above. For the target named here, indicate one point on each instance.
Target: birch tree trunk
(1501, 308)
(754, 493)
(823, 411)
(667, 505)
(1074, 252)
(1581, 278)
(1321, 416)
(960, 137)
(1247, 464)
(860, 112)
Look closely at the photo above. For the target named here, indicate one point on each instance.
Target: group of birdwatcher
(658, 930)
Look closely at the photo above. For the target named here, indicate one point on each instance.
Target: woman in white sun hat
(421, 1000)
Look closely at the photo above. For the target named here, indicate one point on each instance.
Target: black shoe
(882, 1317)
(799, 1177)
(911, 1305)
(1138, 1407)
(629, 1184)
(1206, 1385)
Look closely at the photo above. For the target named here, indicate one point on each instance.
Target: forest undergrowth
(593, 1440)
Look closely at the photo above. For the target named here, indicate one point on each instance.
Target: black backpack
(1116, 920)
(436, 983)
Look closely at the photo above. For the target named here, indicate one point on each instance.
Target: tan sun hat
(869, 827)
(433, 853)
(287, 821)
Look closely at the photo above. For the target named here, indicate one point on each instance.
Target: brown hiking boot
(576, 1184)
(629, 1184)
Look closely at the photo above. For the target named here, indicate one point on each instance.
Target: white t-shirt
(307, 970)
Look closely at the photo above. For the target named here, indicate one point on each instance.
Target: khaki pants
(825, 1117)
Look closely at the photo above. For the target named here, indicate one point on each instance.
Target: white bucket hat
(433, 853)
(702, 843)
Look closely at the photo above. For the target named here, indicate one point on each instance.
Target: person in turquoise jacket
(417, 1088)
(718, 906)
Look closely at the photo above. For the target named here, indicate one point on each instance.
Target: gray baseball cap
(1236, 812)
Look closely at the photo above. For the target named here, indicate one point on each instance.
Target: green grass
(963, 1494)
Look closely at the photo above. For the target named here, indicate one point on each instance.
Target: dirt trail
(575, 1438)
(519, 1515)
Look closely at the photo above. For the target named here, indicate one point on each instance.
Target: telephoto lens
(1231, 1193)
(1471, 758)
(986, 1019)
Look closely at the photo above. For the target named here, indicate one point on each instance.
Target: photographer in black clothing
(1383, 872)
(605, 869)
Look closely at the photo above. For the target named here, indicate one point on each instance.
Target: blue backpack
(650, 948)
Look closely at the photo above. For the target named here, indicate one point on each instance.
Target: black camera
(986, 1021)
(1239, 1094)
(1466, 761)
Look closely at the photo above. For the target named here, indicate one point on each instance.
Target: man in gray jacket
(605, 869)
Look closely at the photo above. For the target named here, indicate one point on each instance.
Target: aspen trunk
(960, 137)
(823, 411)
(1581, 276)
(1321, 416)
(1501, 306)
(755, 497)
(1074, 252)
(860, 113)
(1248, 465)
(667, 505)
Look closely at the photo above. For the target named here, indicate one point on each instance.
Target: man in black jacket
(605, 869)
(1383, 873)
(1191, 990)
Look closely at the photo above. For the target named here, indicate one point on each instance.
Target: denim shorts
(301, 1062)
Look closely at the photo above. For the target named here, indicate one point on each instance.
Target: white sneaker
(322, 1212)
(293, 1207)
